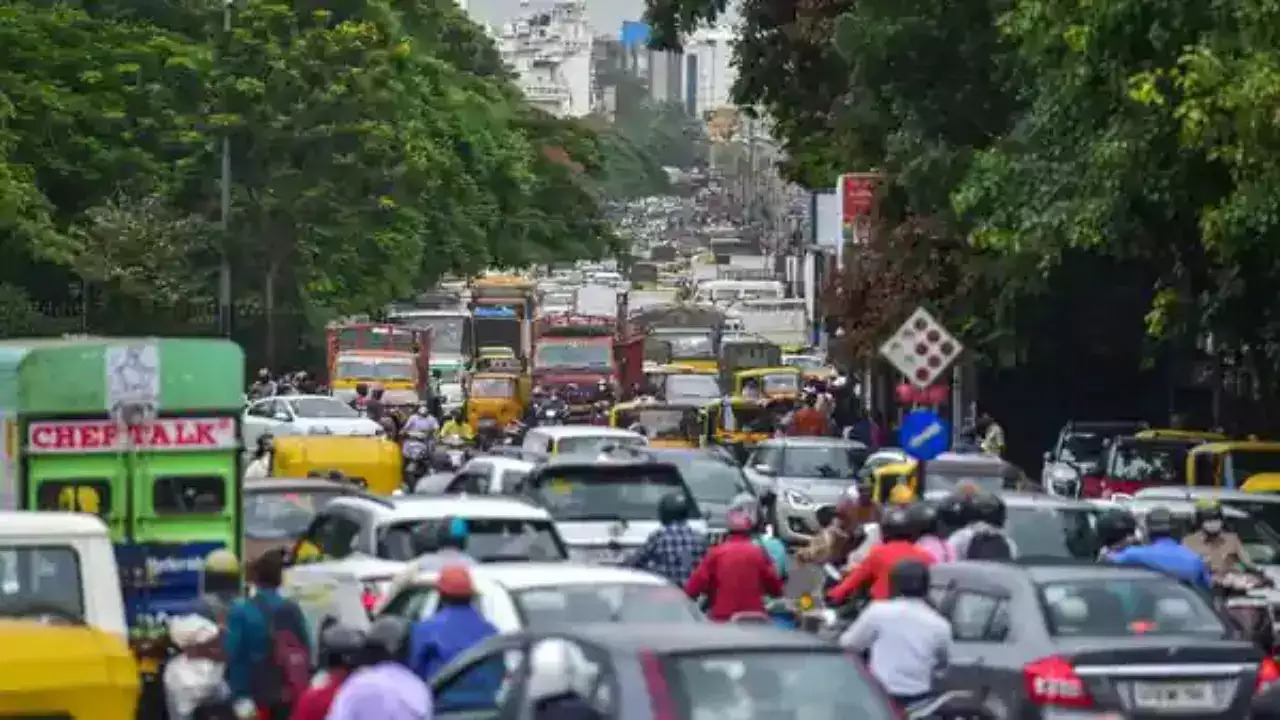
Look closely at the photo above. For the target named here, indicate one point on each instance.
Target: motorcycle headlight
(798, 500)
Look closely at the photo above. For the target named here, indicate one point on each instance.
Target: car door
(982, 636)
(485, 687)
(256, 421)
(594, 664)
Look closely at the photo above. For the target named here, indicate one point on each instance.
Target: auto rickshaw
(1169, 434)
(666, 424)
(949, 471)
(774, 382)
(1263, 484)
(749, 423)
(59, 671)
(371, 462)
(494, 400)
(1231, 464)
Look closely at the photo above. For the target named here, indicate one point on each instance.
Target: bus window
(183, 494)
(86, 495)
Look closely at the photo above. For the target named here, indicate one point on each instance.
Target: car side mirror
(282, 417)
(764, 469)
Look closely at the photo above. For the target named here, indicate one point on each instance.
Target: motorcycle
(1247, 598)
(456, 449)
(416, 452)
(951, 705)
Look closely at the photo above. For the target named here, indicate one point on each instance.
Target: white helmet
(559, 667)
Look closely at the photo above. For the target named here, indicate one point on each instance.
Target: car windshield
(376, 369)
(603, 603)
(804, 362)
(483, 387)
(708, 479)
(574, 354)
(817, 684)
(1053, 532)
(690, 346)
(1149, 462)
(1107, 607)
(1082, 448)
(1240, 465)
(488, 539)
(324, 408)
(282, 515)
(822, 461)
(614, 494)
(40, 580)
(691, 386)
(781, 383)
(590, 444)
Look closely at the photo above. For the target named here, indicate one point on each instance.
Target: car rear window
(604, 603)
(1110, 607)
(1053, 532)
(282, 515)
(607, 493)
(488, 540)
(810, 684)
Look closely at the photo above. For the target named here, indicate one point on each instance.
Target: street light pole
(224, 214)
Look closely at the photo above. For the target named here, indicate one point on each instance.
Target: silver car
(806, 477)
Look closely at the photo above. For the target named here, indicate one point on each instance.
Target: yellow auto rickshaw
(1170, 434)
(947, 472)
(1231, 464)
(885, 477)
(494, 399)
(373, 462)
(749, 422)
(1263, 484)
(57, 671)
(666, 424)
(772, 382)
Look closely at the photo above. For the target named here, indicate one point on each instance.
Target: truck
(450, 345)
(143, 433)
(502, 308)
(394, 356)
(582, 350)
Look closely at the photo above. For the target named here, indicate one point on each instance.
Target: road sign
(921, 349)
(924, 435)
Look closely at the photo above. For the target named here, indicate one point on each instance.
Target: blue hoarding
(634, 33)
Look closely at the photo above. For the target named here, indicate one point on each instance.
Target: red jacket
(875, 569)
(735, 575)
(314, 703)
(809, 422)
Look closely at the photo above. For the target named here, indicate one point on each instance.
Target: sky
(605, 16)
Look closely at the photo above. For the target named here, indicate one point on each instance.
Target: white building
(550, 51)
(709, 70)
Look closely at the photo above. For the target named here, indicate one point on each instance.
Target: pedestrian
(267, 647)
(260, 465)
(455, 627)
(384, 688)
(990, 434)
(340, 650)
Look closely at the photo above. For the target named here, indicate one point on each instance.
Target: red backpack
(286, 673)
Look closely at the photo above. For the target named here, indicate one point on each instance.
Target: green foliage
(375, 145)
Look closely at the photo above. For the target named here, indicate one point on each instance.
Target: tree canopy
(1119, 156)
(374, 146)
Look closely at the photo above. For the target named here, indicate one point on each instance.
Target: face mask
(1213, 527)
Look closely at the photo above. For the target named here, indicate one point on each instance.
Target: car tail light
(660, 702)
(1268, 674)
(1092, 487)
(1053, 681)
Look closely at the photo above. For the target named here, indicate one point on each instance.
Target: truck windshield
(365, 369)
(690, 346)
(573, 354)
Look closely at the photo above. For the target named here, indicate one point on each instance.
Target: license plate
(1174, 696)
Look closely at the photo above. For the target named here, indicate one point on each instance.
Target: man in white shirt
(908, 641)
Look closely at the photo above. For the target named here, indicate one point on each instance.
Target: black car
(647, 672)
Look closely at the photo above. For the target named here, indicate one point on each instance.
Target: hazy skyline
(605, 16)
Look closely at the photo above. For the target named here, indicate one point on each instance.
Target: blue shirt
(672, 551)
(1168, 556)
(245, 640)
(448, 633)
(777, 551)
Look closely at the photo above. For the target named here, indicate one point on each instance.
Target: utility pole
(224, 214)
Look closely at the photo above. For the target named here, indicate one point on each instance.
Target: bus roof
(69, 376)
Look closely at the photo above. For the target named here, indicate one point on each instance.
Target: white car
(578, 439)
(484, 475)
(303, 415)
(514, 596)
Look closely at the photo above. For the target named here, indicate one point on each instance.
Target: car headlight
(798, 500)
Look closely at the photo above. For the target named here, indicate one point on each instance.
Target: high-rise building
(709, 67)
(549, 50)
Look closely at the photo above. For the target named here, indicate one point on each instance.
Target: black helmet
(1159, 523)
(672, 508)
(895, 524)
(1208, 510)
(951, 512)
(1115, 525)
(387, 638)
(924, 518)
(341, 645)
(989, 508)
(362, 388)
(909, 578)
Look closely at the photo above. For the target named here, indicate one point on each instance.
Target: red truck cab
(1130, 464)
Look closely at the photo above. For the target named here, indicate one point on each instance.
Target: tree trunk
(269, 301)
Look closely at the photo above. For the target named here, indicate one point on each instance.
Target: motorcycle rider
(264, 386)
(735, 575)
(845, 532)
(1117, 530)
(374, 408)
(809, 420)
(421, 421)
(361, 399)
(455, 627)
(384, 687)
(750, 505)
(983, 538)
(907, 640)
(1221, 549)
(455, 427)
(924, 516)
(898, 543)
(340, 648)
(675, 548)
(1162, 552)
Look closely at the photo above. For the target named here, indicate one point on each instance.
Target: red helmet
(739, 522)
